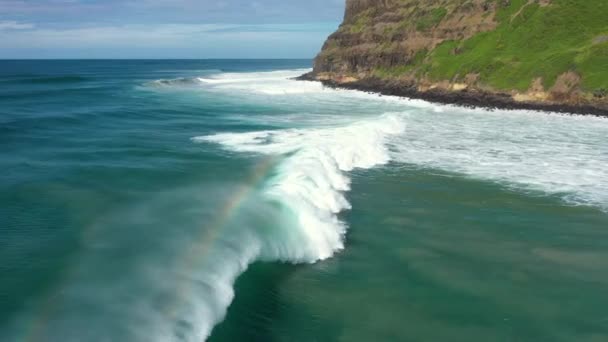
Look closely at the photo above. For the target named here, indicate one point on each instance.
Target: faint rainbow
(210, 233)
(35, 330)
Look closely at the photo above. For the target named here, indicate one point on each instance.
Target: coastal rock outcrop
(545, 54)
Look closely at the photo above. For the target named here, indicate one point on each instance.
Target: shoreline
(465, 98)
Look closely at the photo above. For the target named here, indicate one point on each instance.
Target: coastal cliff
(540, 54)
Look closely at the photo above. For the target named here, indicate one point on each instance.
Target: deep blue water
(220, 199)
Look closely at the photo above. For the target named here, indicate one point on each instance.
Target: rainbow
(210, 233)
(35, 328)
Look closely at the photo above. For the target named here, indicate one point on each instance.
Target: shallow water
(136, 193)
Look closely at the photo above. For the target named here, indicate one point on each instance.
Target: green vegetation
(398, 71)
(362, 22)
(431, 19)
(517, 42)
(531, 41)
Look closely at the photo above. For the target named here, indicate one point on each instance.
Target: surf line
(34, 331)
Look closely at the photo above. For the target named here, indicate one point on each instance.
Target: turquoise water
(221, 200)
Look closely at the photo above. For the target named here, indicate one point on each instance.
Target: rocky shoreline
(475, 53)
(464, 98)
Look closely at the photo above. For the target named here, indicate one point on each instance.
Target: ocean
(221, 200)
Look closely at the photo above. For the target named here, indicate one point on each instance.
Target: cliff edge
(538, 54)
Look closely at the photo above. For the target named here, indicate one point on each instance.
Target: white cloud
(173, 40)
(168, 35)
(14, 25)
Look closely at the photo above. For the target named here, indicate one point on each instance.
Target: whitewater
(223, 200)
(540, 154)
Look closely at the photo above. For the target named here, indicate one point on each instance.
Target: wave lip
(253, 83)
(267, 83)
(175, 82)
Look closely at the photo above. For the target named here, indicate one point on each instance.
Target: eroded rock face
(389, 33)
(353, 8)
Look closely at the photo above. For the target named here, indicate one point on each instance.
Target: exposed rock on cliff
(550, 54)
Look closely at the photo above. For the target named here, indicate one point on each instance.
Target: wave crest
(181, 81)
(310, 183)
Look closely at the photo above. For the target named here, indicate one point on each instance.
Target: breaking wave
(565, 156)
(308, 188)
(181, 81)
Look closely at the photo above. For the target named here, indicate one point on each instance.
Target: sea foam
(557, 155)
(311, 181)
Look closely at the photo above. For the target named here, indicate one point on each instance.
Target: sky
(166, 28)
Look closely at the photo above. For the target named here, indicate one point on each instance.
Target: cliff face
(550, 52)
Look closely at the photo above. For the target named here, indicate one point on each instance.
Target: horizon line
(150, 59)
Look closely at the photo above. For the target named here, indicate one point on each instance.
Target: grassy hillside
(531, 41)
(547, 46)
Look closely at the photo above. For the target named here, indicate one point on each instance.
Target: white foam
(559, 155)
(267, 83)
(553, 154)
(311, 182)
(175, 82)
(308, 186)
